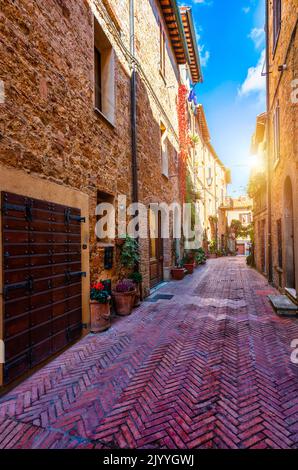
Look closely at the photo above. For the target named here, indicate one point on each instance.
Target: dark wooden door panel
(42, 280)
(40, 333)
(40, 352)
(59, 340)
(59, 308)
(60, 324)
(16, 307)
(16, 345)
(74, 317)
(17, 325)
(40, 315)
(13, 369)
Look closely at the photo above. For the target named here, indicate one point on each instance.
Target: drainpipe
(133, 119)
(133, 101)
(269, 202)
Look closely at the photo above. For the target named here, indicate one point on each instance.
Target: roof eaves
(195, 44)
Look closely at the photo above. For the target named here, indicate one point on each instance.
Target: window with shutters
(276, 133)
(276, 21)
(164, 150)
(104, 74)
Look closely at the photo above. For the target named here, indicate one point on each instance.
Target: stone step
(283, 305)
(292, 294)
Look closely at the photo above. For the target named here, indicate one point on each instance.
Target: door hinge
(68, 217)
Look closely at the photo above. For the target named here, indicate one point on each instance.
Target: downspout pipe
(133, 118)
(133, 101)
(269, 188)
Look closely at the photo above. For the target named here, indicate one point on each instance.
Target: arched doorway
(289, 234)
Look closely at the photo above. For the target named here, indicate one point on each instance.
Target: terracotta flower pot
(124, 302)
(100, 316)
(212, 255)
(177, 274)
(189, 267)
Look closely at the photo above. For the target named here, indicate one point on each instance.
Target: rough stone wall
(48, 126)
(280, 88)
(258, 248)
(156, 104)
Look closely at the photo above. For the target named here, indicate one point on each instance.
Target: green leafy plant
(213, 247)
(130, 253)
(250, 260)
(194, 139)
(136, 277)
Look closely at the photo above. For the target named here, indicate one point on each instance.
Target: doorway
(155, 248)
(289, 234)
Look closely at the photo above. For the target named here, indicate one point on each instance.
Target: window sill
(104, 118)
(105, 245)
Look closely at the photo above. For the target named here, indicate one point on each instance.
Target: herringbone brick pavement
(209, 368)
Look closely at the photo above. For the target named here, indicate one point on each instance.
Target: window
(245, 218)
(104, 74)
(162, 63)
(276, 133)
(106, 233)
(97, 79)
(164, 151)
(276, 21)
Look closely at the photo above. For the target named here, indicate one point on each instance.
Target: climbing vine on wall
(183, 138)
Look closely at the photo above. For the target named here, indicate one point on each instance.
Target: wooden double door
(42, 280)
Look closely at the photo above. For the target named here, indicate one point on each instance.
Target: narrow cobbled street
(204, 363)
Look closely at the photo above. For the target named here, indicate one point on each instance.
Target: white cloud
(204, 53)
(203, 2)
(257, 35)
(254, 82)
(204, 56)
(246, 10)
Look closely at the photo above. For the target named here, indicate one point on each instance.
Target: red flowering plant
(98, 293)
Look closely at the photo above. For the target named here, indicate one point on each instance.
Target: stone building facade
(211, 179)
(66, 122)
(257, 189)
(282, 149)
(238, 209)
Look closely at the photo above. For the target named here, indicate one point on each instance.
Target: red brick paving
(208, 369)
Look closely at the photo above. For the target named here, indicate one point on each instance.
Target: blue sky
(231, 41)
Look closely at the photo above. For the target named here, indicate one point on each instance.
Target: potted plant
(188, 264)
(178, 272)
(99, 308)
(137, 278)
(130, 252)
(212, 249)
(200, 257)
(124, 296)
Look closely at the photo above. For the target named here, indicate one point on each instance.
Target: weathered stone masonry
(49, 128)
